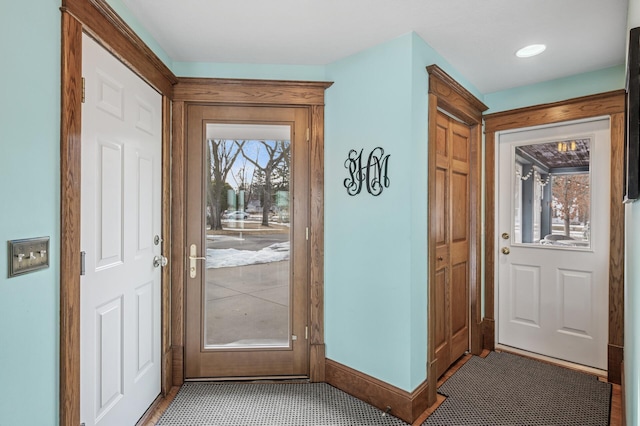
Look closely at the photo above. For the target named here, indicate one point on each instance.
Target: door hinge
(83, 89)
(307, 233)
(308, 132)
(82, 257)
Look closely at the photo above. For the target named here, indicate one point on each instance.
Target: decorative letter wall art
(373, 174)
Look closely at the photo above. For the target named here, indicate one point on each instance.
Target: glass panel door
(247, 279)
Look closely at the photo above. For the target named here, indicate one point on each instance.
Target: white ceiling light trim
(531, 50)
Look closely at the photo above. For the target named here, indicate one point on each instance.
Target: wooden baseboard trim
(178, 365)
(477, 338)
(489, 334)
(146, 417)
(404, 405)
(167, 372)
(157, 409)
(614, 363)
(317, 363)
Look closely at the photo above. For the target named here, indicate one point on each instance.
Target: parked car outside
(237, 215)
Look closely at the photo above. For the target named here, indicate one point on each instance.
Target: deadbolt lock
(505, 236)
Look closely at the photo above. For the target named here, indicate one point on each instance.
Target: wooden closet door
(452, 241)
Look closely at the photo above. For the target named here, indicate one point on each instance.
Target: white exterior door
(552, 237)
(120, 217)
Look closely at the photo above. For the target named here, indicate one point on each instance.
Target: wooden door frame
(447, 95)
(612, 105)
(97, 19)
(230, 92)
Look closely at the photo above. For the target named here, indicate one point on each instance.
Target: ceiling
(549, 155)
(478, 38)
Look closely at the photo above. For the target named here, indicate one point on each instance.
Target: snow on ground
(225, 258)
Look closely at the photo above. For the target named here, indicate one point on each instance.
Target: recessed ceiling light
(531, 50)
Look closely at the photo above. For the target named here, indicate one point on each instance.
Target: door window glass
(247, 278)
(552, 194)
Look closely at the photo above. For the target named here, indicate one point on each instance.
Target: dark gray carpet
(506, 389)
(501, 390)
(270, 404)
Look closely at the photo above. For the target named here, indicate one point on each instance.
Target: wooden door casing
(452, 241)
(445, 94)
(610, 104)
(208, 91)
(292, 361)
(96, 17)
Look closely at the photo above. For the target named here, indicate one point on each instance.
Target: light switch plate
(28, 255)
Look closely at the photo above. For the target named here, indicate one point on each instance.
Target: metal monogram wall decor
(372, 174)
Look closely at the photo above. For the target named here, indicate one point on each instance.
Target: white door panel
(120, 216)
(524, 287)
(553, 295)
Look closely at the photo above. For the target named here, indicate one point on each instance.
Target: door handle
(160, 261)
(505, 250)
(193, 271)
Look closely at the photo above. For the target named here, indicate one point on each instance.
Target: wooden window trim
(611, 104)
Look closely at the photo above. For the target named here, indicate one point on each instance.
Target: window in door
(552, 194)
(247, 238)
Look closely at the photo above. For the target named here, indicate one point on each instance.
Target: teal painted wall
(421, 56)
(575, 86)
(252, 71)
(632, 314)
(376, 247)
(367, 238)
(375, 272)
(29, 189)
(632, 287)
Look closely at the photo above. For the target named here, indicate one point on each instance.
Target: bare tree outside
(221, 156)
(571, 197)
(247, 273)
(277, 152)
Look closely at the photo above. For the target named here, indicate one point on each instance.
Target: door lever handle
(193, 256)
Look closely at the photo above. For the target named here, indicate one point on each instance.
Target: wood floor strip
(152, 418)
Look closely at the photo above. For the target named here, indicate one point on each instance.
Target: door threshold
(260, 379)
(602, 374)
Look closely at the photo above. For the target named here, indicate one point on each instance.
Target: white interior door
(120, 217)
(553, 240)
